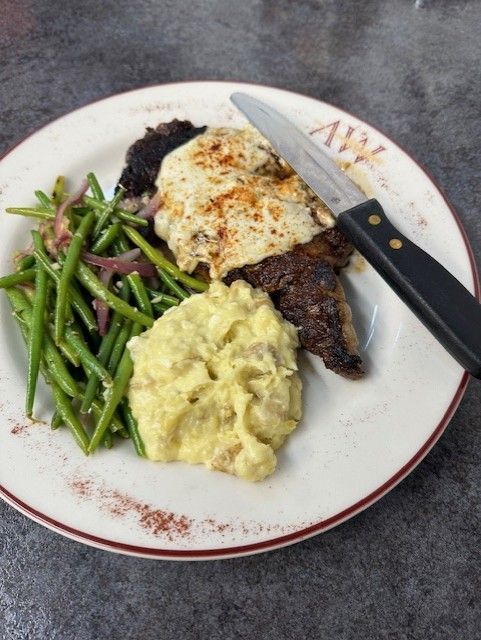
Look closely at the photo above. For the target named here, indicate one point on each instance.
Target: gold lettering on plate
(344, 133)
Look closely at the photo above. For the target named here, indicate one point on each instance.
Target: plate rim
(314, 529)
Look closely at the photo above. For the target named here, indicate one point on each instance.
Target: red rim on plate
(307, 532)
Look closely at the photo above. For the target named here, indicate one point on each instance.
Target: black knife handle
(438, 299)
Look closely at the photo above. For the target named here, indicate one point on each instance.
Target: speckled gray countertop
(409, 567)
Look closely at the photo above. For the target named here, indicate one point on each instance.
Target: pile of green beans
(52, 293)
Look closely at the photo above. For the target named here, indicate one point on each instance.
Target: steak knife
(437, 298)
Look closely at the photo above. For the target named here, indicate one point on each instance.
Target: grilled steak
(331, 245)
(307, 292)
(302, 282)
(145, 155)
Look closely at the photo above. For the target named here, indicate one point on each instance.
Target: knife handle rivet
(395, 243)
(374, 219)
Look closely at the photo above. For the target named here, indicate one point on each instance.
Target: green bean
(121, 244)
(132, 427)
(71, 261)
(37, 333)
(52, 269)
(58, 190)
(60, 374)
(39, 248)
(115, 424)
(44, 200)
(63, 413)
(123, 433)
(95, 186)
(76, 299)
(121, 214)
(138, 288)
(105, 239)
(140, 294)
(172, 285)
(90, 281)
(131, 218)
(155, 256)
(30, 212)
(107, 211)
(97, 406)
(51, 294)
(65, 409)
(103, 355)
(114, 395)
(26, 262)
(69, 352)
(17, 278)
(124, 292)
(94, 203)
(119, 346)
(53, 360)
(18, 302)
(55, 378)
(41, 256)
(56, 421)
(21, 322)
(160, 308)
(82, 308)
(79, 211)
(22, 325)
(108, 439)
(88, 360)
(163, 298)
(106, 346)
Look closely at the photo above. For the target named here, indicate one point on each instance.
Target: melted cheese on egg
(229, 201)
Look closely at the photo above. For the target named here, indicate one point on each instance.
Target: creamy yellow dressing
(228, 200)
(215, 381)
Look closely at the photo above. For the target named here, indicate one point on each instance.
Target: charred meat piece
(307, 292)
(146, 154)
(331, 245)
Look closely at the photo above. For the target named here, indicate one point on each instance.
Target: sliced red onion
(60, 226)
(150, 208)
(121, 265)
(62, 241)
(101, 308)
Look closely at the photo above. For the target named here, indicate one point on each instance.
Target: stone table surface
(408, 567)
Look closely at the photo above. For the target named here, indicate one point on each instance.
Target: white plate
(357, 439)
